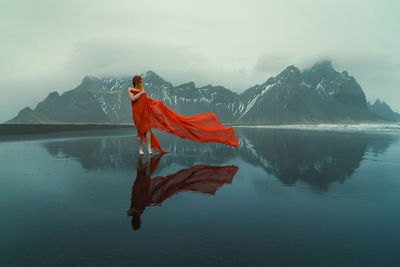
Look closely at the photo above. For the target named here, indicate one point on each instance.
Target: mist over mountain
(314, 95)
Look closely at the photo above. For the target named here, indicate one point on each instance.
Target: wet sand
(38, 131)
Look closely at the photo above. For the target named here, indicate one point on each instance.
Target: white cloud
(51, 45)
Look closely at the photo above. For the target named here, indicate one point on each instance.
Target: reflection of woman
(149, 192)
(148, 113)
(140, 197)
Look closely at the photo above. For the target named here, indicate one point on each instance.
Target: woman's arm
(135, 97)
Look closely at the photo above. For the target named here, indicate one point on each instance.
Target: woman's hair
(137, 82)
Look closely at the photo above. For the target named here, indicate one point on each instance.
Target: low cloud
(51, 45)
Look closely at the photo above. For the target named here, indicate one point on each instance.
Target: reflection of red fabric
(205, 127)
(200, 178)
(205, 179)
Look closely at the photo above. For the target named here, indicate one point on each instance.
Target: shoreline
(25, 129)
(18, 132)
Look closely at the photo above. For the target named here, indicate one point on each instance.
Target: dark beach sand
(10, 132)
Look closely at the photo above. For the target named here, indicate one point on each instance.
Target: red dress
(148, 113)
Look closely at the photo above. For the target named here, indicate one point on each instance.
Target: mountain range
(313, 95)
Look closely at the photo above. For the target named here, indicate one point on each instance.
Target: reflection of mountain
(148, 191)
(96, 153)
(316, 158)
(118, 152)
(313, 157)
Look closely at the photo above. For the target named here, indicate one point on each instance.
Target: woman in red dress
(148, 113)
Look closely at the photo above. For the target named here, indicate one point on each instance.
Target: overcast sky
(49, 45)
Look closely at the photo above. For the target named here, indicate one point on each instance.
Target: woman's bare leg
(148, 137)
(139, 138)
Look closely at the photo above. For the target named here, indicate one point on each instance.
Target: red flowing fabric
(148, 113)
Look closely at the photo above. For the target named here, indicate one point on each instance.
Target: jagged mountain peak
(188, 85)
(384, 110)
(320, 67)
(323, 64)
(378, 102)
(148, 73)
(321, 71)
(52, 94)
(210, 86)
(151, 76)
(89, 78)
(25, 110)
(381, 103)
(89, 82)
(292, 69)
(289, 74)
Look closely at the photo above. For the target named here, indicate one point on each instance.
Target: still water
(285, 197)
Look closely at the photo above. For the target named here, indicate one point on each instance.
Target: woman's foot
(150, 152)
(141, 152)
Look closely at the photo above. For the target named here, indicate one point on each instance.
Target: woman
(140, 113)
(148, 113)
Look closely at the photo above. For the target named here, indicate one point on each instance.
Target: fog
(51, 45)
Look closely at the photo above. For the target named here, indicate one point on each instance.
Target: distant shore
(11, 129)
(23, 129)
(20, 132)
